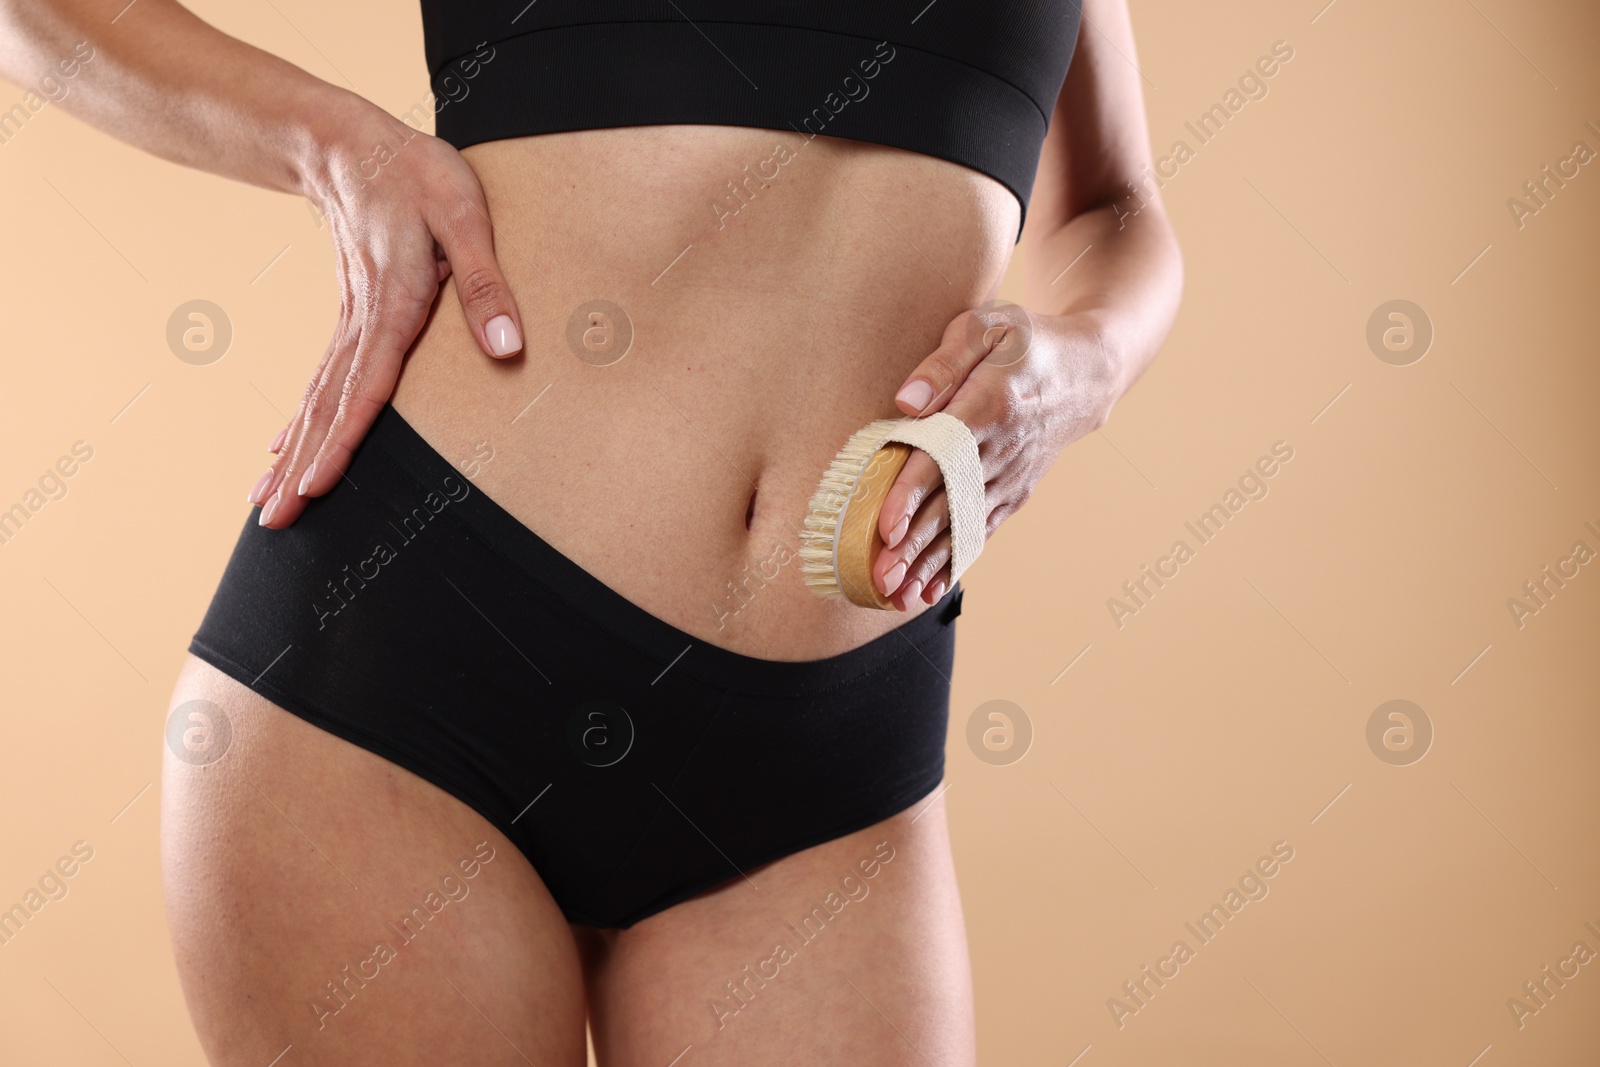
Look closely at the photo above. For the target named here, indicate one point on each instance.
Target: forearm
(1115, 268)
(162, 80)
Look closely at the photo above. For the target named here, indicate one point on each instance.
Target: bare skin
(753, 357)
(759, 345)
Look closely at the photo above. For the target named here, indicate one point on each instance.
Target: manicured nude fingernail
(271, 508)
(261, 487)
(891, 580)
(277, 442)
(936, 592)
(503, 336)
(912, 590)
(305, 479)
(898, 532)
(915, 394)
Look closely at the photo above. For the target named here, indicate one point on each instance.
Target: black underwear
(633, 764)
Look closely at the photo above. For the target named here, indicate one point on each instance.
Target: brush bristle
(817, 568)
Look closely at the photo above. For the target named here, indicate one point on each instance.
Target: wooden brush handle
(858, 540)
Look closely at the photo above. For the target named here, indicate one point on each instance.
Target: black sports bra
(970, 81)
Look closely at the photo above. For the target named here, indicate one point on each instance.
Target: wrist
(1098, 369)
(341, 129)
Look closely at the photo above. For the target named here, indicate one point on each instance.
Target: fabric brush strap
(952, 446)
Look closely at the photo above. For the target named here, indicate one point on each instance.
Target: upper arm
(1098, 140)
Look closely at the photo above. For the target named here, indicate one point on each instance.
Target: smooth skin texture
(759, 345)
(290, 859)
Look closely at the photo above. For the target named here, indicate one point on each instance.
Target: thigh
(322, 899)
(851, 951)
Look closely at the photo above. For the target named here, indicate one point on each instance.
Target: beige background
(1228, 714)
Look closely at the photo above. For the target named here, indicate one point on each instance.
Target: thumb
(485, 297)
(969, 339)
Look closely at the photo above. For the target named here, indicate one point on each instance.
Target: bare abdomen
(768, 322)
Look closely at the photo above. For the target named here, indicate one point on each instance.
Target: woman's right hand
(405, 211)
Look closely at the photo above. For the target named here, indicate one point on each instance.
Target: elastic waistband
(393, 438)
(609, 74)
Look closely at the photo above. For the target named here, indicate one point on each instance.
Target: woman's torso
(768, 324)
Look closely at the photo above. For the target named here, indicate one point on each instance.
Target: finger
(968, 339)
(1002, 512)
(266, 489)
(467, 238)
(367, 387)
(917, 480)
(894, 568)
(258, 492)
(317, 404)
(307, 432)
(925, 571)
(387, 334)
(353, 397)
(331, 368)
(340, 348)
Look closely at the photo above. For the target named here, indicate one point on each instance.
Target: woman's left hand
(1027, 386)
